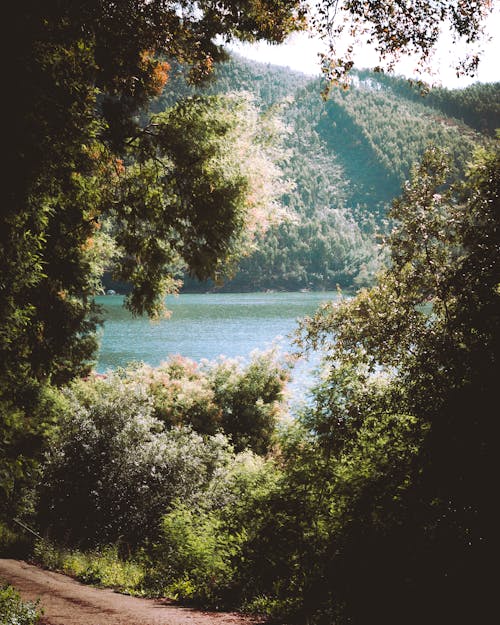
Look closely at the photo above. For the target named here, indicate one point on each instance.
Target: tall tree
(84, 71)
(89, 176)
(413, 528)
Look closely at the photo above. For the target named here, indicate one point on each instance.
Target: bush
(250, 398)
(113, 469)
(244, 400)
(13, 611)
(198, 556)
(181, 394)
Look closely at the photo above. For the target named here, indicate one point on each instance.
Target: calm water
(206, 326)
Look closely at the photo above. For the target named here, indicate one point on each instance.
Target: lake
(206, 326)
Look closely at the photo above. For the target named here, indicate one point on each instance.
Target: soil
(67, 602)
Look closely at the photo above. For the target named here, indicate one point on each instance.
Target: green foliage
(250, 399)
(242, 399)
(26, 422)
(125, 447)
(92, 70)
(416, 519)
(381, 489)
(113, 469)
(195, 556)
(374, 129)
(181, 394)
(317, 244)
(303, 549)
(382, 493)
(100, 567)
(263, 538)
(199, 555)
(13, 611)
(92, 181)
(201, 183)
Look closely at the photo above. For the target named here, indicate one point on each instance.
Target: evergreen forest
(345, 159)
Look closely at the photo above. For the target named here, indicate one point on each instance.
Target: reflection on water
(207, 326)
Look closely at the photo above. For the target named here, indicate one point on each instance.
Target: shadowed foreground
(67, 602)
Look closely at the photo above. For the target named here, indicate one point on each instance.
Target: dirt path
(67, 602)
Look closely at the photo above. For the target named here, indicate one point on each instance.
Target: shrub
(244, 400)
(250, 398)
(113, 469)
(14, 611)
(198, 556)
(181, 394)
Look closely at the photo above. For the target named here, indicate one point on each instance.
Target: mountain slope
(346, 159)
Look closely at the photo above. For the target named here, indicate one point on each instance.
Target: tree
(90, 68)
(429, 331)
(89, 177)
(398, 28)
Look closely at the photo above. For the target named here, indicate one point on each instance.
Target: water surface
(206, 326)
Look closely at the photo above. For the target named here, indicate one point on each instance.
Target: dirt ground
(67, 602)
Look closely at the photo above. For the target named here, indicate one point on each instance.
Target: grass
(99, 567)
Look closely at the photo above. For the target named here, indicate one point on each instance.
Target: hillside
(346, 159)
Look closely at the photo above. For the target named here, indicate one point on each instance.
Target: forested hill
(346, 158)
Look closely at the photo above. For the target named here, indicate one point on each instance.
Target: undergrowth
(99, 567)
(13, 544)
(15, 611)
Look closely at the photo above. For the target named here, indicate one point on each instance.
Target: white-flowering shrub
(113, 468)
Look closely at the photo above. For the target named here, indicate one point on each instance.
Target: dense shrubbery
(243, 400)
(201, 552)
(161, 463)
(249, 399)
(127, 446)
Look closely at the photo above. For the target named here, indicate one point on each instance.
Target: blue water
(205, 326)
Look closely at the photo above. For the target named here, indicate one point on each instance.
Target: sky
(300, 53)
